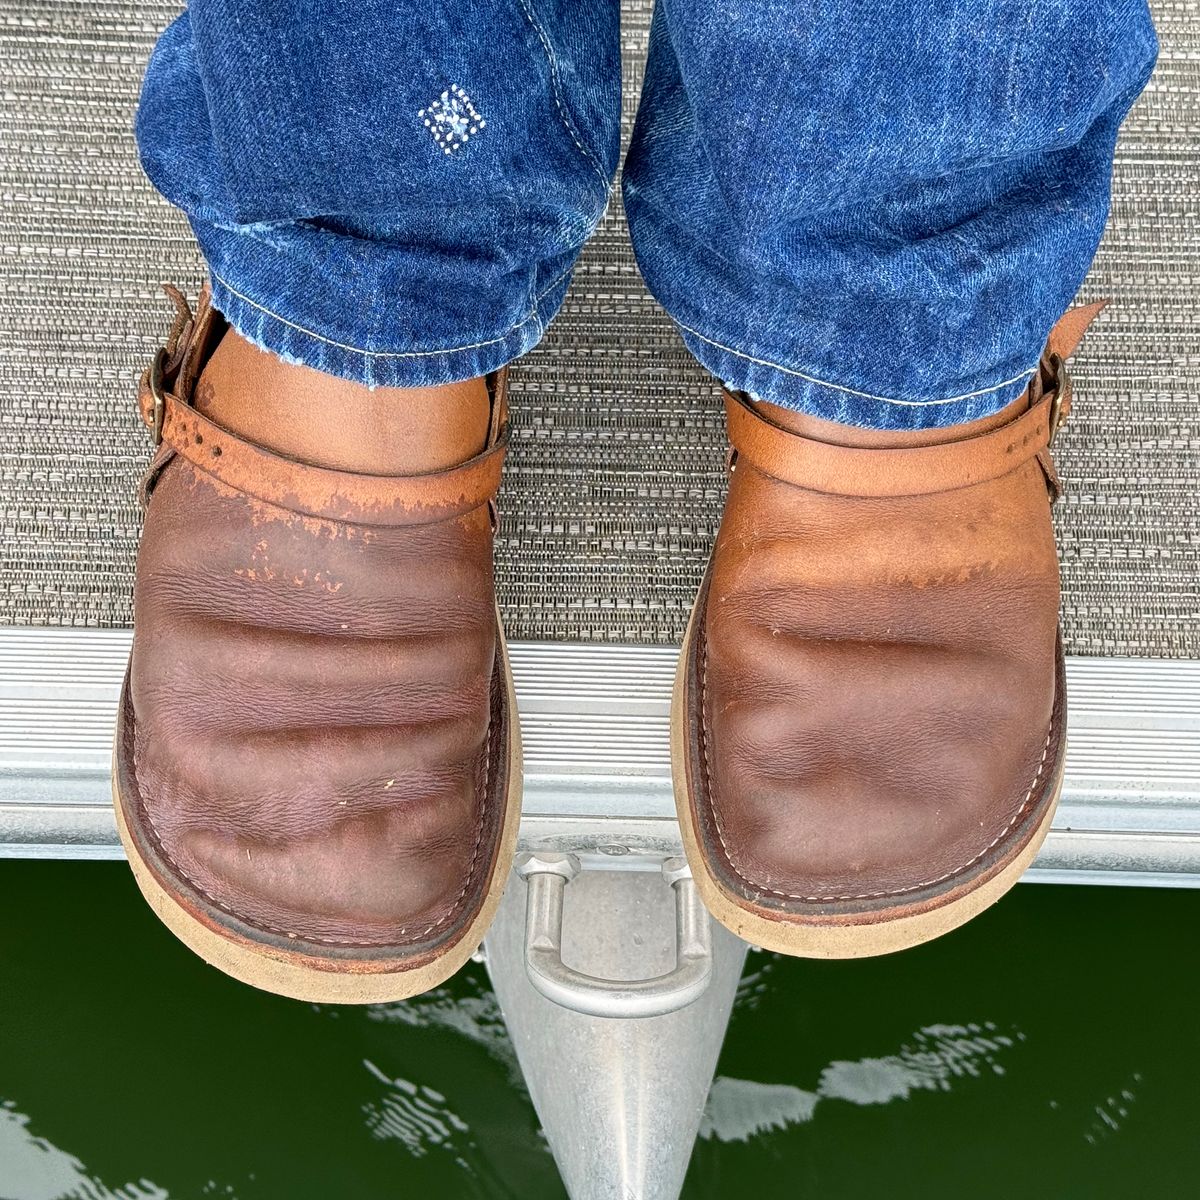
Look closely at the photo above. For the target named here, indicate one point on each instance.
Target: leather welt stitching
(265, 928)
(710, 800)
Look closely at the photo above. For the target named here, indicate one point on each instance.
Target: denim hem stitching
(837, 387)
(532, 315)
(556, 89)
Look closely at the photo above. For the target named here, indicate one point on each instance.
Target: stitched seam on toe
(451, 912)
(710, 800)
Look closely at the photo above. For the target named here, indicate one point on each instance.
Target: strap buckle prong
(1062, 389)
(158, 369)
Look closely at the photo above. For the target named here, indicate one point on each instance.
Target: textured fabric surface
(357, 210)
(614, 486)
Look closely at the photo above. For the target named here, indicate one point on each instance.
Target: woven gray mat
(613, 489)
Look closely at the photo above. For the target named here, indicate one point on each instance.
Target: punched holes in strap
(382, 500)
(869, 472)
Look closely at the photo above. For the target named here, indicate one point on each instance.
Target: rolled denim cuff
(374, 197)
(846, 224)
(278, 286)
(792, 388)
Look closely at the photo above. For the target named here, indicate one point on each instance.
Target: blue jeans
(870, 212)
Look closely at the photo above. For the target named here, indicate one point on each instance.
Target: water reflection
(415, 1115)
(475, 1017)
(1091, 1067)
(1111, 1113)
(739, 1109)
(31, 1168)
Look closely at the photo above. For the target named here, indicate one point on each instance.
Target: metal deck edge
(595, 721)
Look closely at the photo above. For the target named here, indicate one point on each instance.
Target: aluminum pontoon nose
(616, 1024)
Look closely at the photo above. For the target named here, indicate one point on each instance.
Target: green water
(1050, 1049)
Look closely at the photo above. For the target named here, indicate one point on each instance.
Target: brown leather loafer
(869, 715)
(317, 763)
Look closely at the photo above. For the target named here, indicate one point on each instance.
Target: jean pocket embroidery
(452, 119)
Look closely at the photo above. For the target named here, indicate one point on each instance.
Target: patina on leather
(314, 738)
(873, 696)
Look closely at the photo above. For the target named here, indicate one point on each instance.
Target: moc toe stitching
(709, 800)
(406, 938)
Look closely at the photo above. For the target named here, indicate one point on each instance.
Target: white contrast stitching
(531, 316)
(555, 87)
(916, 887)
(452, 119)
(837, 387)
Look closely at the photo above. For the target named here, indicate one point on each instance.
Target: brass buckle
(158, 369)
(1061, 387)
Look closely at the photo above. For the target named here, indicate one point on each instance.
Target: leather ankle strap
(880, 471)
(323, 492)
(301, 487)
(867, 472)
